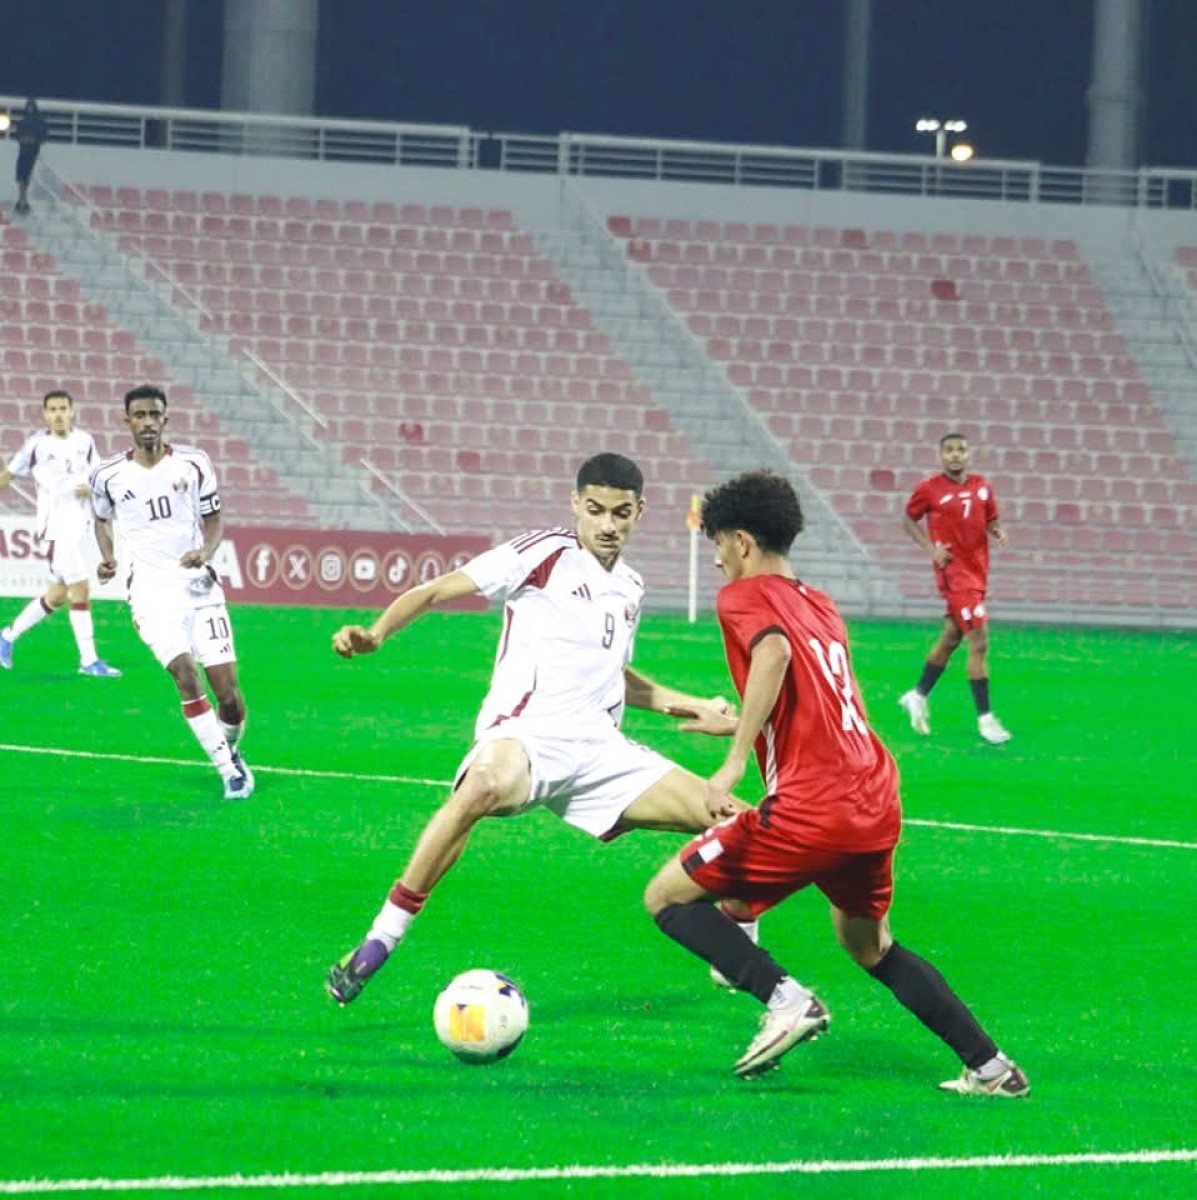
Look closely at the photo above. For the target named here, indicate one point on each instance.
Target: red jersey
(830, 780)
(959, 516)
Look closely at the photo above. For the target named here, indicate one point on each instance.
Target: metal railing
(188, 129)
(584, 154)
(286, 389)
(28, 497)
(402, 496)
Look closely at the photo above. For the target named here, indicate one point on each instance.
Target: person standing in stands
(31, 131)
(961, 515)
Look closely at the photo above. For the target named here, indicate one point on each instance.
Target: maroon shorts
(966, 607)
(748, 858)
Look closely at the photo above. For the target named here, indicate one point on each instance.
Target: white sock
(33, 613)
(789, 993)
(994, 1067)
(232, 733)
(390, 925)
(206, 727)
(85, 634)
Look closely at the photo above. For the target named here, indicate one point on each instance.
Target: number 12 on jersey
(833, 662)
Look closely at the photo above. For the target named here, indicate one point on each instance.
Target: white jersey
(568, 629)
(58, 465)
(159, 511)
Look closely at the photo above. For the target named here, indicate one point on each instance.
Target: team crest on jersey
(630, 613)
(179, 485)
(983, 493)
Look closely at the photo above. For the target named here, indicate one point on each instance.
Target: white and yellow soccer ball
(481, 1016)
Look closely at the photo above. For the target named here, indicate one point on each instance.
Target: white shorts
(173, 621)
(587, 775)
(70, 560)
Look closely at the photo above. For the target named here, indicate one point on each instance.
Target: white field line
(1121, 840)
(416, 781)
(337, 1179)
(105, 756)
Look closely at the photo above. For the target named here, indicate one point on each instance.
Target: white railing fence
(458, 147)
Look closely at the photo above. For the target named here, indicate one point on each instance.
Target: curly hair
(758, 502)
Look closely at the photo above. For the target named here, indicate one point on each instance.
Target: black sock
(928, 679)
(980, 689)
(706, 931)
(923, 990)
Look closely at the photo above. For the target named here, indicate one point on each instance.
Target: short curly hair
(760, 503)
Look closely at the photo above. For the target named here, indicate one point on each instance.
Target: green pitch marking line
(336, 1179)
(416, 781)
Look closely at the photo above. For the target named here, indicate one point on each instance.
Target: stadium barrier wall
(279, 565)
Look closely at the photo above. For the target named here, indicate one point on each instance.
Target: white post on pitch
(693, 521)
(693, 598)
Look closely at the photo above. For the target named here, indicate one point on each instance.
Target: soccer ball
(481, 1016)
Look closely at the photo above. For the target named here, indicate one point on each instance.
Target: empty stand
(436, 342)
(860, 348)
(439, 346)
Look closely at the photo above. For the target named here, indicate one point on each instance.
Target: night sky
(762, 71)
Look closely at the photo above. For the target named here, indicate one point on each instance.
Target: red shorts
(966, 607)
(749, 859)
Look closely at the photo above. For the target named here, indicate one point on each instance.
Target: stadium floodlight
(941, 129)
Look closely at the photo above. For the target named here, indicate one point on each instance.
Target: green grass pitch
(162, 1016)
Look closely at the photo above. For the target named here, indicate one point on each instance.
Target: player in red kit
(961, 514)
(831, 816)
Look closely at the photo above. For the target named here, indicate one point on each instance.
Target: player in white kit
(59, 459)
(548, 733)
(166, 501)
